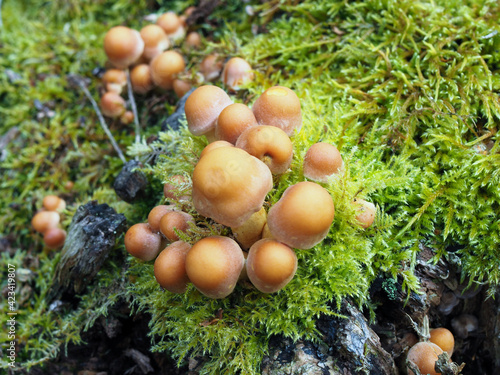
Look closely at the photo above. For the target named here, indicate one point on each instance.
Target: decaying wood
(130, 183)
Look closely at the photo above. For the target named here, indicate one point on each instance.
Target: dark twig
(79, 81)
(134, 108)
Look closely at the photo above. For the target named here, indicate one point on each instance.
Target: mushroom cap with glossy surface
(229, 185)
(213, 146)
(141, 242)
(424, 356)
(165, 67)
(269, 144)
(234, 120)
(270, 265)
(175, 220)
(203, 107)
(237, 72)
(322, 160)
(170, 267)
(157, 213)
(443, 338)
(123, 46)
(279, 106)
(303, 215)
(214, 265)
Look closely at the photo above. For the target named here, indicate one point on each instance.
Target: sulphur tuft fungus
(142, 243)
(234, 120)
(165, 67)
(170, 267)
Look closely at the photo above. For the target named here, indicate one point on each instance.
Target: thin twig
(134, 108)
(80, 83)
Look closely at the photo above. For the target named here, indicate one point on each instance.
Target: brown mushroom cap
(123, 46)
(211, 67)
(54, 238)
(45, 220)
(232, 121)
(365, 212)
(170, 267)
(251, 230)
(213, 146)
(165, 67)
(203, 107)
(322, 160)
(181, 87)
(53, 203)
(214, 264)
(157, 213)
(237, 72)
(155, 41)
(171, 24)
(141, 242)
(229, 185)
(173, 190)
(270, 265)
(269, 144)
(424, 355)
(112, 105)
(175, 220)
(303, 215)
(193, 40)
(141, 79)
(279, 106)
(443, 338)
(114, 80)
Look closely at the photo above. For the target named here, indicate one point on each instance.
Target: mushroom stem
(134, 107)
(80, 83)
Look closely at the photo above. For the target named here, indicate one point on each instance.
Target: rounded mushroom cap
(214, 264)
(173, 190)
(54, 238)
(269, 144)
(251, 230)
(193, 39)
(155, 41)
(175, 220)
(365, 212)
(157, 213)
(234, 120)
(112, 105)
(279, 106)
(169, 22)
(53, 203)
(141, 79)
(270, 265)
(237, 72)
(165, 67)
(123, 46)
(322, 160)
(303, 215)
(170, 267)
(443, 338)
(211, 67)
(181, 87)
(213, 146)
(424, 355)
(141, 242)
(114, 80)
(229, 185)
(203, 107)
(45, 220)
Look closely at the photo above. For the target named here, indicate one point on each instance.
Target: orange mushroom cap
(165, 67)
(123, 46)
(234, 120)
(322, 160)
(424, 355)
(142, 243)
(170, 267)
(155, 41)
(54, 238)
(141, 78)
(443, 338)
(45, 220)
(112, 105)
(237, 72)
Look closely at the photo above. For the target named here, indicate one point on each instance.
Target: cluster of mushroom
(424, 355)
(47, 221)
(153, 64)
(230, 182)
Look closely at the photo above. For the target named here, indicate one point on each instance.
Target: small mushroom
(53, 203)
(251, 230)
(112, 105)
(203, 107)
(365, 212)
(172, 25)
(157, 213)
(322, 161)
(193, 40)
(54, 238)
(443, 338)
(170, 267)
(210, 67)
(229, 185)
(214, 265)
(141, 242)
(181, 87)
(303, 215)
(45, 220)
(237, 73)
(175, 220)
(155, 41)
(270, 265)
(165, 67)
(232, 121)
(173, 190)
(269, 144)
(123, 46)
(114, 80)
(141, 79)
(424, 355)
(279, 106)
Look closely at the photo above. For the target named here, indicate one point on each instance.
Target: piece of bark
(173, 121)
(202, 11)
(91, 236)
(130, 183)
